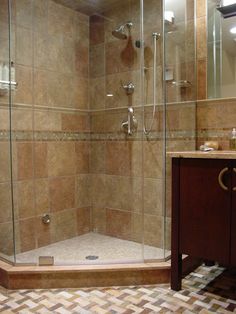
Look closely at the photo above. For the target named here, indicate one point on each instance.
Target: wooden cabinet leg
(176, 272)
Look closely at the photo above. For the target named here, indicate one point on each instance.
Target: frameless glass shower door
(6, 90)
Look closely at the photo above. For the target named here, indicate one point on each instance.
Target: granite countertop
(217, 154)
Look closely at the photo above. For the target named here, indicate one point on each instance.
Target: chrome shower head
(119, 32)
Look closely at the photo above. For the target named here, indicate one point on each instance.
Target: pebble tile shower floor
(207, 290)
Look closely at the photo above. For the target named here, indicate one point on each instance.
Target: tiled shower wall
(50, 125)
(118, 162)
(70, 157)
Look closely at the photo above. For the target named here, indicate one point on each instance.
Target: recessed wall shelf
(6, 85)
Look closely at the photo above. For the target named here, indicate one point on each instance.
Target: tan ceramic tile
(153, 159)
(82, 150)
(63, 225)
(22, 119)
(99, 220)
(25, 160)
(24, 13)
(153, 196)
(202, 79)
(83, 189)
(60, 20)
(75, 122)
(5, 204)
(97, 61)
(81, 93)
(61, 158)
(118, 155)
(83, 220)
(82, 60)
(27, 234)
(97, 157)
(24, 46)
(43, 236)
(25, 198)
(97, 93)
(41, 196)
(201, 38)
(24, 92)
(201, 8)
(4, 162)
(47, 120)
(6, 238)
(97, 31)
(99, 192)
(118, 223)
(40, 160)
(153, 230)
(62, 193)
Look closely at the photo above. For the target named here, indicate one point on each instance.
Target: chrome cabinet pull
(234, 170)
(220, 177)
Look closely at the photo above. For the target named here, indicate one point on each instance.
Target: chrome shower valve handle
(130, 125)
(129, 88)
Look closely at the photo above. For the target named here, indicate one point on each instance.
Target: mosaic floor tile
(207, 290)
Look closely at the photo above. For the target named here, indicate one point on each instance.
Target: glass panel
(6, 200)
(74, 161)
(154, 161)
(180, 88)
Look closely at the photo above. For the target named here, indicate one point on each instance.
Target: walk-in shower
(75, 186)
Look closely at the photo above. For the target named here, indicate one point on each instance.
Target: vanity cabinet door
(205, 208)
(233, 220)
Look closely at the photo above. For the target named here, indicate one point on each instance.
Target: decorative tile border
(86, 136)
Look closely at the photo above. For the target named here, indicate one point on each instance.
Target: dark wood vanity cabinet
(203, 212)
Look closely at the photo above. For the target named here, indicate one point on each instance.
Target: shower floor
(107, 249)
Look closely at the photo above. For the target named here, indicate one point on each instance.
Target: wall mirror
(221, 45)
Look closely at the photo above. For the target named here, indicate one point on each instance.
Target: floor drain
(91, 257)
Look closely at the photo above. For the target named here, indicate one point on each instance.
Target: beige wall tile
(6, 238)
(118, 223)
(61, 158)
(24, 46)
(83, 190)
(25, 199)
(47, 120)
(82, 150)
(41, 196)
(98, 220)
(24, 92)
(27, 234)
(153, 230)
(40, 160)
(62, 193)
(97, 157)
(75, 122)
(43, 236)
(24, 160)
(5, 203)
(63, 225)
(83, 220)
(5, 162)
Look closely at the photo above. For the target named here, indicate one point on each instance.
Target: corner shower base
(117, 265)
(107, 250)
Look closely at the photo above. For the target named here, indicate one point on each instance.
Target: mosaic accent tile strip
(86, 136)
(207, 290)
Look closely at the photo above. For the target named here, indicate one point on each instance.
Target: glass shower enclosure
(91, 97)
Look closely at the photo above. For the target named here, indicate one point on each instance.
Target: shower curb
(49, 277)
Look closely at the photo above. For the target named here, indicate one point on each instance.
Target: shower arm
(155, 37)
